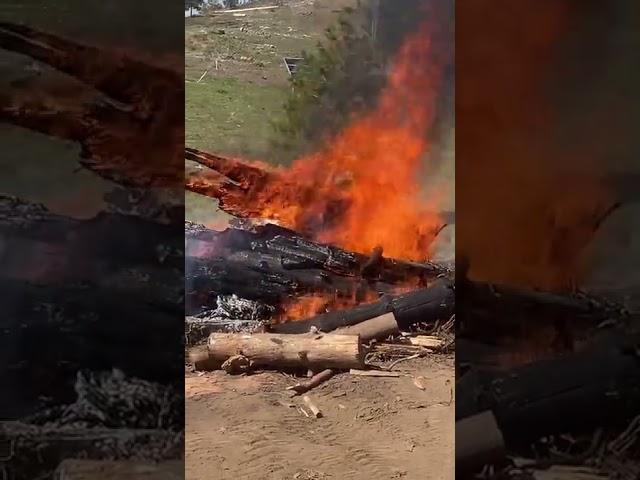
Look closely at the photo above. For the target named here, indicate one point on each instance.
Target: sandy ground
(372, 428)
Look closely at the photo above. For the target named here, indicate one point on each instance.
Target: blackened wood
(573, 393)
(426, 305)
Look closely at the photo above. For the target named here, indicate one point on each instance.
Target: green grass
(232, 117)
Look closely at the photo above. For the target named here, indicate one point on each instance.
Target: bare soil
(248, 427)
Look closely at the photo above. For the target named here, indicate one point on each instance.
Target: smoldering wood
(436, 302)
(311, 351)
(57, 444)
(576, 392)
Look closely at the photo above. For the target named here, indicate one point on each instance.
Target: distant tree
(230, 3)
(344, 74)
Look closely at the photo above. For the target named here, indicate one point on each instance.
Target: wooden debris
(373, 373)
(420, 382)
(318, 352)
(313, 382)
(427, 341)
(315, 411)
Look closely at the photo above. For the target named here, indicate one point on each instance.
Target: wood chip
(315, 411)
(373, 373)
(427, 341)
(420, 382)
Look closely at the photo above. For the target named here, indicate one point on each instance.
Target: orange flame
(363, 189)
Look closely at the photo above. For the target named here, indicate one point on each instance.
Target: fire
(363, 190)
(307, 306)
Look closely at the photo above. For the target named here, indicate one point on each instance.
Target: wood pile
(238, 280)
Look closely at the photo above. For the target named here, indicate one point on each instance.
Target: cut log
(479, 442)
(375, 328)
(427, 341)
(311, 351)
(426, 305)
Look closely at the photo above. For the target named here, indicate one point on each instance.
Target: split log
(479, 442)
(311, 351)
(574, 392)
(375, 328)
(426, 305)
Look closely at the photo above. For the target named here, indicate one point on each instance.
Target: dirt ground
(248, 427)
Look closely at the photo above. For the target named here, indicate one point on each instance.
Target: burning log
(575, 392)
(312, 351)
(271, 264)
(426, 305)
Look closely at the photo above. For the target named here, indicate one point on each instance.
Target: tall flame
(362, 190)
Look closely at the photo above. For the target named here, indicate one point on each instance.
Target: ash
(232, 315)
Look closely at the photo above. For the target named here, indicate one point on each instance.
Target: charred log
(426, 305)
(271, 264)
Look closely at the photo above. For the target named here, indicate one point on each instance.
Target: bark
(426, 305)
(312, 351)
